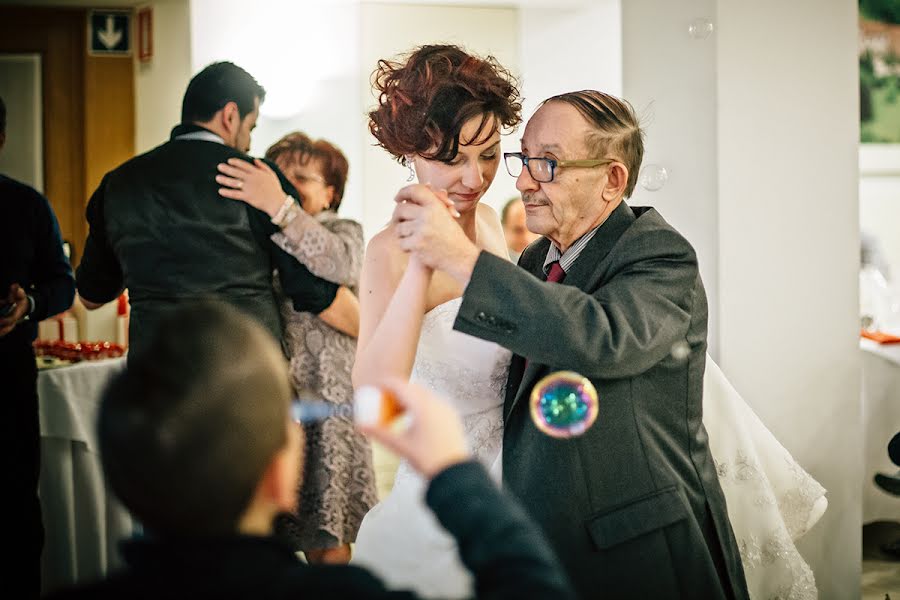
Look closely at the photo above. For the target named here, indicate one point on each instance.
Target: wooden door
(88, 107)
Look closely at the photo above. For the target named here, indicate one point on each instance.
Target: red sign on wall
(145, 33)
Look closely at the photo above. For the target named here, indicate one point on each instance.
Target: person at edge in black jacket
(35, 283)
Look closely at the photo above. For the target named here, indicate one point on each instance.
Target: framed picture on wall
(879, 87)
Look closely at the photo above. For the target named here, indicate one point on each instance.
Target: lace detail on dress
(778, 550)
(469, 372)
(330, 247)
(771, 500)
(772, 552)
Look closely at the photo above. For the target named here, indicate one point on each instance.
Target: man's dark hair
(214, 87)
(188, 429)
(2, 117)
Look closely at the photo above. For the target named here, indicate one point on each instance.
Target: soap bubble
(680, 351)
(700, 28)
(653, 177)
(564, 404)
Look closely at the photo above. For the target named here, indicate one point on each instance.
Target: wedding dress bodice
(400, 539)
(467, 372)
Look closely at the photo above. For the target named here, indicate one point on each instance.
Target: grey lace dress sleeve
(330, 247)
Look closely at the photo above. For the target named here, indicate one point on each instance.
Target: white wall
(788, 131)
(670, 79)
(159, 84)
(563, 49)
(305, 53)
(767, 195)
(391, 29)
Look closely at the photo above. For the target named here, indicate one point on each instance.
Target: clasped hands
(426, 226)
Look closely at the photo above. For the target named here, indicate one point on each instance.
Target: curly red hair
(424, 101)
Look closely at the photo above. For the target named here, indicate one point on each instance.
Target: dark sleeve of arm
(99, 274)
(307, 292)
(53, 283)
(621, 329)
(498, 543)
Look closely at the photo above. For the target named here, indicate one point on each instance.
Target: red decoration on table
(78, 351)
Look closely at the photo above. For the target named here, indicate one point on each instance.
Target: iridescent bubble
(564, 404)
(680, 351)
(653, 177)
(700, 28)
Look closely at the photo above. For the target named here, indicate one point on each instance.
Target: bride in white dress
(440, 111)
(406, 330)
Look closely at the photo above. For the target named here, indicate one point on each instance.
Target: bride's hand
(256, 184)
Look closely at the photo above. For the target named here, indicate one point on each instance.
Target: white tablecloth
(82, 521)
(881, 421)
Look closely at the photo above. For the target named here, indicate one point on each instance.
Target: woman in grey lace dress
(338, 485)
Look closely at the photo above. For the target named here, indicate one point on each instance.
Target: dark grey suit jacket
(633, 507)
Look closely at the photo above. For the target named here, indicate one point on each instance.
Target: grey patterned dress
(338, 480)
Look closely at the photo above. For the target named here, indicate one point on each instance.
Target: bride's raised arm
(392, 293)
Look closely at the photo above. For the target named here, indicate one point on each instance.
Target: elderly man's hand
(426, 228)
(16, 296)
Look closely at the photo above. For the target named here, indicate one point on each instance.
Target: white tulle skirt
(771, 500)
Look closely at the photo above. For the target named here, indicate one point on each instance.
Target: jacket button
(481, 316)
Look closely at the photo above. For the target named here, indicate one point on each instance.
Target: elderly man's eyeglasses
(543, 170)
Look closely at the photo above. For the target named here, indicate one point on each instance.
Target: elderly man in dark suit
(633, 507)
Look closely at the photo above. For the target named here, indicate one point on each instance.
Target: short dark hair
(214, 87)
(2, 116)
(299, 148)
(188, 429)
(425, 100)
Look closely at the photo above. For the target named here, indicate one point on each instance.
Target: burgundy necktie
(556, 274)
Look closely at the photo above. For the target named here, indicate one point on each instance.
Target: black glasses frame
(552, 163)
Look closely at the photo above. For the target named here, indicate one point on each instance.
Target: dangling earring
(409, 165)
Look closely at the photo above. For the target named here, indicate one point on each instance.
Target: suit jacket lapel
(581, 275)
(532, 260)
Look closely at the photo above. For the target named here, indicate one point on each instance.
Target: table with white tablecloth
(82, 520)
(881, 421)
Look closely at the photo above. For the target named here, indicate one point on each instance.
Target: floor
(880, 571)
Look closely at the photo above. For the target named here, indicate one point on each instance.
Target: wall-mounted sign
(144, 27)
(109, 32)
